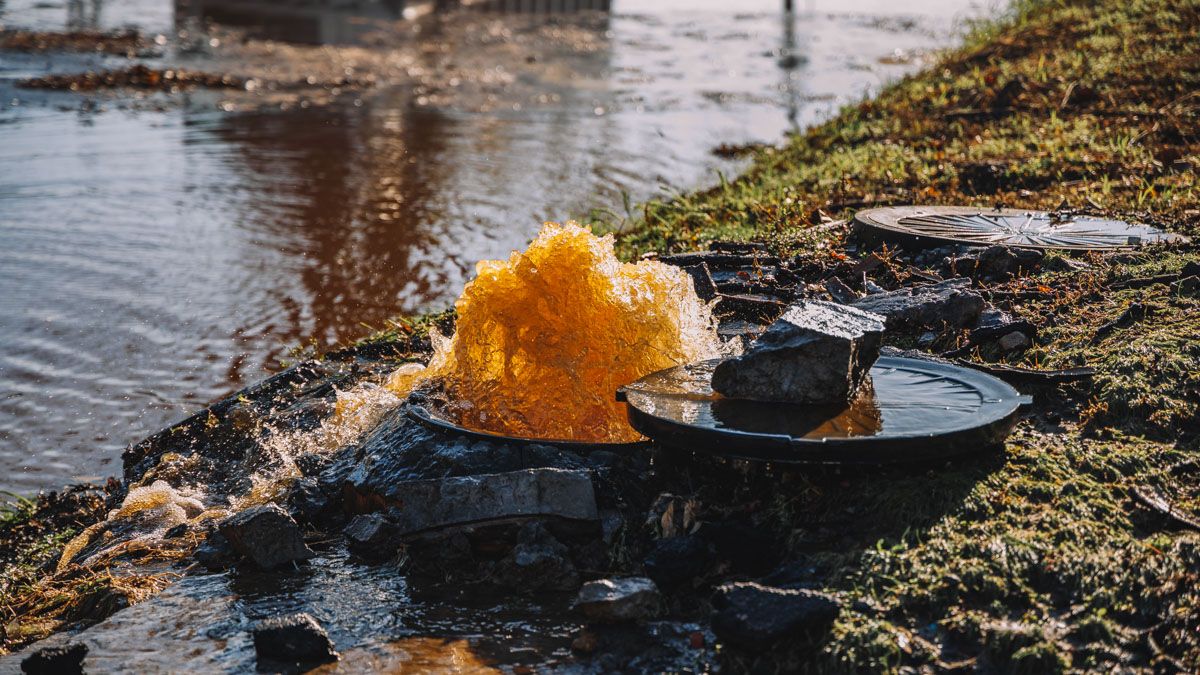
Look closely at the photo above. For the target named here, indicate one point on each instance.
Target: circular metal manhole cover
(918, 410)
(930, 226)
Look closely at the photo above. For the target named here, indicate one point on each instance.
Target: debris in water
(546, 337)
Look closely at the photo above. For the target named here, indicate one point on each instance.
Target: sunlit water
(159, 253)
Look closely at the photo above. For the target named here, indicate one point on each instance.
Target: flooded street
(160, 250)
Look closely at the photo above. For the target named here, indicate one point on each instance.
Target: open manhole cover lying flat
(929, 226)
(919, 410)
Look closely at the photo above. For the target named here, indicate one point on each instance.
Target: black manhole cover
(429, 416)
(928, 226)
(920, 410)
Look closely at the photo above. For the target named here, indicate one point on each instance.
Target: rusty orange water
(544, 339)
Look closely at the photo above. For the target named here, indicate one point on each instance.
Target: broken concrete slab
(266, 536)
(294, 639)
(817, 352)
(424, 505)
(950, 302)
(755, 617)
(616, 600)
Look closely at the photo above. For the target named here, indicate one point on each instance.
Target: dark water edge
(160, 251)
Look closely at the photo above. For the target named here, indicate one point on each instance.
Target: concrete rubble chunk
(293, 638)
(950, 302)
(64, 659)
(423, 505)
(754, 617)
(617, 600)
(266, 536)
(817, 352)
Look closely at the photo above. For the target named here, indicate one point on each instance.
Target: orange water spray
(544, 339)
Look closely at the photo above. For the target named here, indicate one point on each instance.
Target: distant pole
(787, 6)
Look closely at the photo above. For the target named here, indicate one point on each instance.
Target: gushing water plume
(544, 339)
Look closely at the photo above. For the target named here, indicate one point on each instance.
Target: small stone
(615, 600)
(755, 617)
(266, 536)
(950, 302)
(294, 638)
(308, 503)
(817, 352)
(372, 536)
(675, 562)
(1012, 341)
(1002, 262)
(62, 660)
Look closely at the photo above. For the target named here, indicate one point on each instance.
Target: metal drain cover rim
(1020, 228)
(995, 420)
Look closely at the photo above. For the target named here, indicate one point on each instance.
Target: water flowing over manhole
(930, 226)
(918, 410)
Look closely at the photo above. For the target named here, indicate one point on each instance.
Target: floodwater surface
(160, 250)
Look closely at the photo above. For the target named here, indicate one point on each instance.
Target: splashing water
(545, 338)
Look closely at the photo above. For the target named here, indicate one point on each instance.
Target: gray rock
(266, 536)
(59, 660)
(817, 352)
(294, 639)
(432, 504)
(950, 302)
(373, 536)
(616, 600)
(754, 617)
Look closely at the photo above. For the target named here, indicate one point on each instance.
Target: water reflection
(151, 260)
